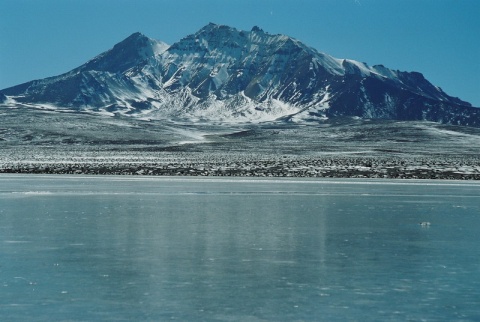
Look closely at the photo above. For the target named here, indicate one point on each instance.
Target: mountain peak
(257, 29)
(222, 73)
(128, 53)
(214, 28)
(135, 40)
(134, 36)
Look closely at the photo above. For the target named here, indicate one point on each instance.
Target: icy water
(76, 248)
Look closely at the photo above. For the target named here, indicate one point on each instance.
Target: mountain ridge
(223, 74)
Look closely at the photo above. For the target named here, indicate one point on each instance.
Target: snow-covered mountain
(224, 74)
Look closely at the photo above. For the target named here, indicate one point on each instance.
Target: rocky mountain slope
(224, 74)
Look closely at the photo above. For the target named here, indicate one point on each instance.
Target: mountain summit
(224, 74)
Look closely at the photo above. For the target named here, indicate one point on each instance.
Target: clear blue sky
(439, 38)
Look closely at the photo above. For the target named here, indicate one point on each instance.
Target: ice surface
(143, 248)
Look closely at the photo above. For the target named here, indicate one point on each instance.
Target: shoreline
(306, 167)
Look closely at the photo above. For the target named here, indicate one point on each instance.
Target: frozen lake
(82, 248)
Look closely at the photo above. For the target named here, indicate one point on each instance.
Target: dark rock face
(246, 75)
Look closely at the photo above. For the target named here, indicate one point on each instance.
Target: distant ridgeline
(224, 74)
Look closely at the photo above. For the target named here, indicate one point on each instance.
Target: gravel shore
(198, 164)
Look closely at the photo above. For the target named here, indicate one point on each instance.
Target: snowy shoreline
(199, 164)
